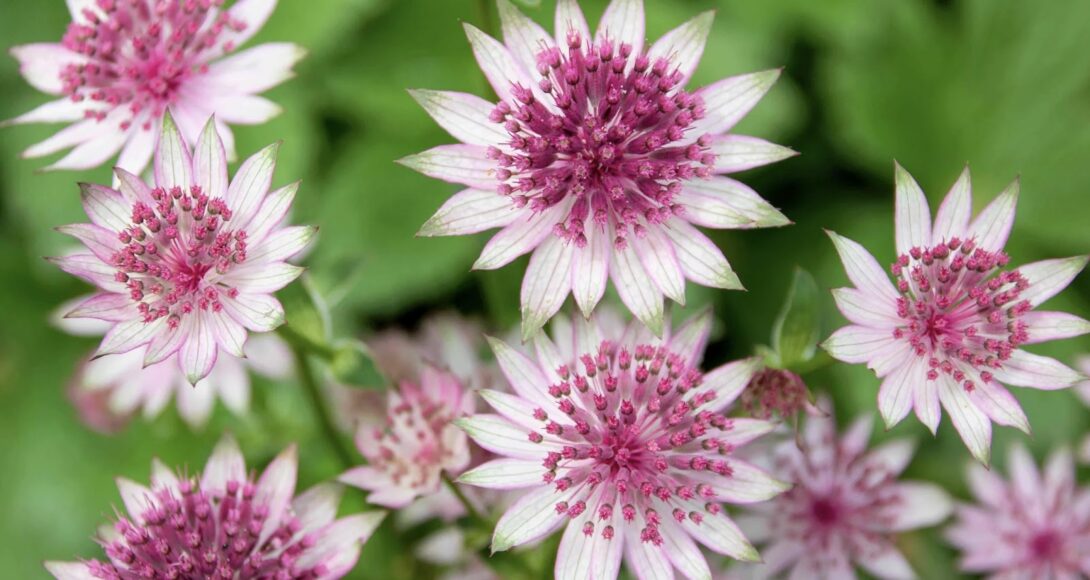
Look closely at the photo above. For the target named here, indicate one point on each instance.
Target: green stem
(321, 407)
(458, 493)
(298, 340)
(485, 8)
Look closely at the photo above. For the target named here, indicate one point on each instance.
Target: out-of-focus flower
(406, 460)
(776, 392)
(188, 266)
(845, 507)
(445, 340)
(618, 436)
(227, 524)
(122, 63)
(598, 161)
(1033, 526)
(949, 332)
(108, 391)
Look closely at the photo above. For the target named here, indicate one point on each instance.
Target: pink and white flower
(619, 437)
(845, 508)
(950, 332)
(123, 63)
(445, 340)
(598, 161)
(227, 524)
(187, 265)
(420, 442)
(1034, 525)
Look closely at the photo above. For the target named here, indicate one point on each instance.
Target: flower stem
(458, 493)
(321, 407)
(485, 8)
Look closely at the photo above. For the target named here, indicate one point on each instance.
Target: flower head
(777, 392)
(845, 506)
(407, 458)
(226, 524)
(598, 160)
(444, 340)
(621, 438)
(1036, 525)
(123, 63)
(951, 331)
(189, 264)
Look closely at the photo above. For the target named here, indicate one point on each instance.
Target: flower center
(175, 254)
(1046, 545)
(612, 136)
(825, 512)
(139, 53)
(774, 391)
(411, 449)
(960, 309)
(633, 425)
(190, 533)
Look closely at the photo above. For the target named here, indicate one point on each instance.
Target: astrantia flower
(845, 507)
(445, 340)
(189, 264)
(227, 524)
(1033, 526)
(407, 458)
(777, 392)
(122, 63)
(622, 439)
(950, 331)
(598, 160)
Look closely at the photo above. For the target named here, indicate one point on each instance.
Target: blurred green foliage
(1001, 84)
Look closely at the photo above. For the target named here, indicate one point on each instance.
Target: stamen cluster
(170, 249)
(139, 52)
(606, 126)
(961, 311)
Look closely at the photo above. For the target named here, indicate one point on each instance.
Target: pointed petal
(895, 394)
(570, 21)
(504, 474)
(464, 164)
(656, 254)
(62, 110)
(464, 116)
(93, 152)
(522, 374)
(259, 278)
(257, 312)
(533, 516)
(1025, 369)
(126, 336)
(135, 497)
(520, 237)
(250, 185)
(317, 506)
(41, 64)
(684, 45)
(723, 203)
(646, 560)
(198, 353)
(630, 279)
(210, 162)
(728, 381)
(971, 423)
(523, 37)
(862, 309)
(953, 217)
(69, 571)
(746, 484)
(106, 207)
(253, 13)
(226, 464)
(857, 344)
(581, 556)
(691, 338)
(991, 228)
(229, 334)
(173, 166)
(104, 306)
(270, 214)
(337, 549)
(894, 455)
(590, 269)
(862, 269)
(683, 552)
(470, 211)
(888, 564)
(140, 147)
(719, 534)
(913, 215)
(700, 259)
(101, 242)
(1045, 326)
(1048, 277)
(999, 405)
(275, 488)
(734, 153)
(925, 400)
(730, 99)
(497, 63)
(516, 409)
(91, 269)
(623, 22)
(502, 437)
(546, 284)
(234, 80)
(284, 244)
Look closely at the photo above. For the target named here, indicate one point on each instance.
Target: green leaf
(795, 332)
(307, 321)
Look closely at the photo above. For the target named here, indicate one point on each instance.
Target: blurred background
(1003, 85)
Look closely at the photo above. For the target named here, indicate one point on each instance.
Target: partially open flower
(598, 160)
(949, 334)
(407, 458)
(227, 525)
(187, 265)
(776, 393)
(123, 63)
(621, 438)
